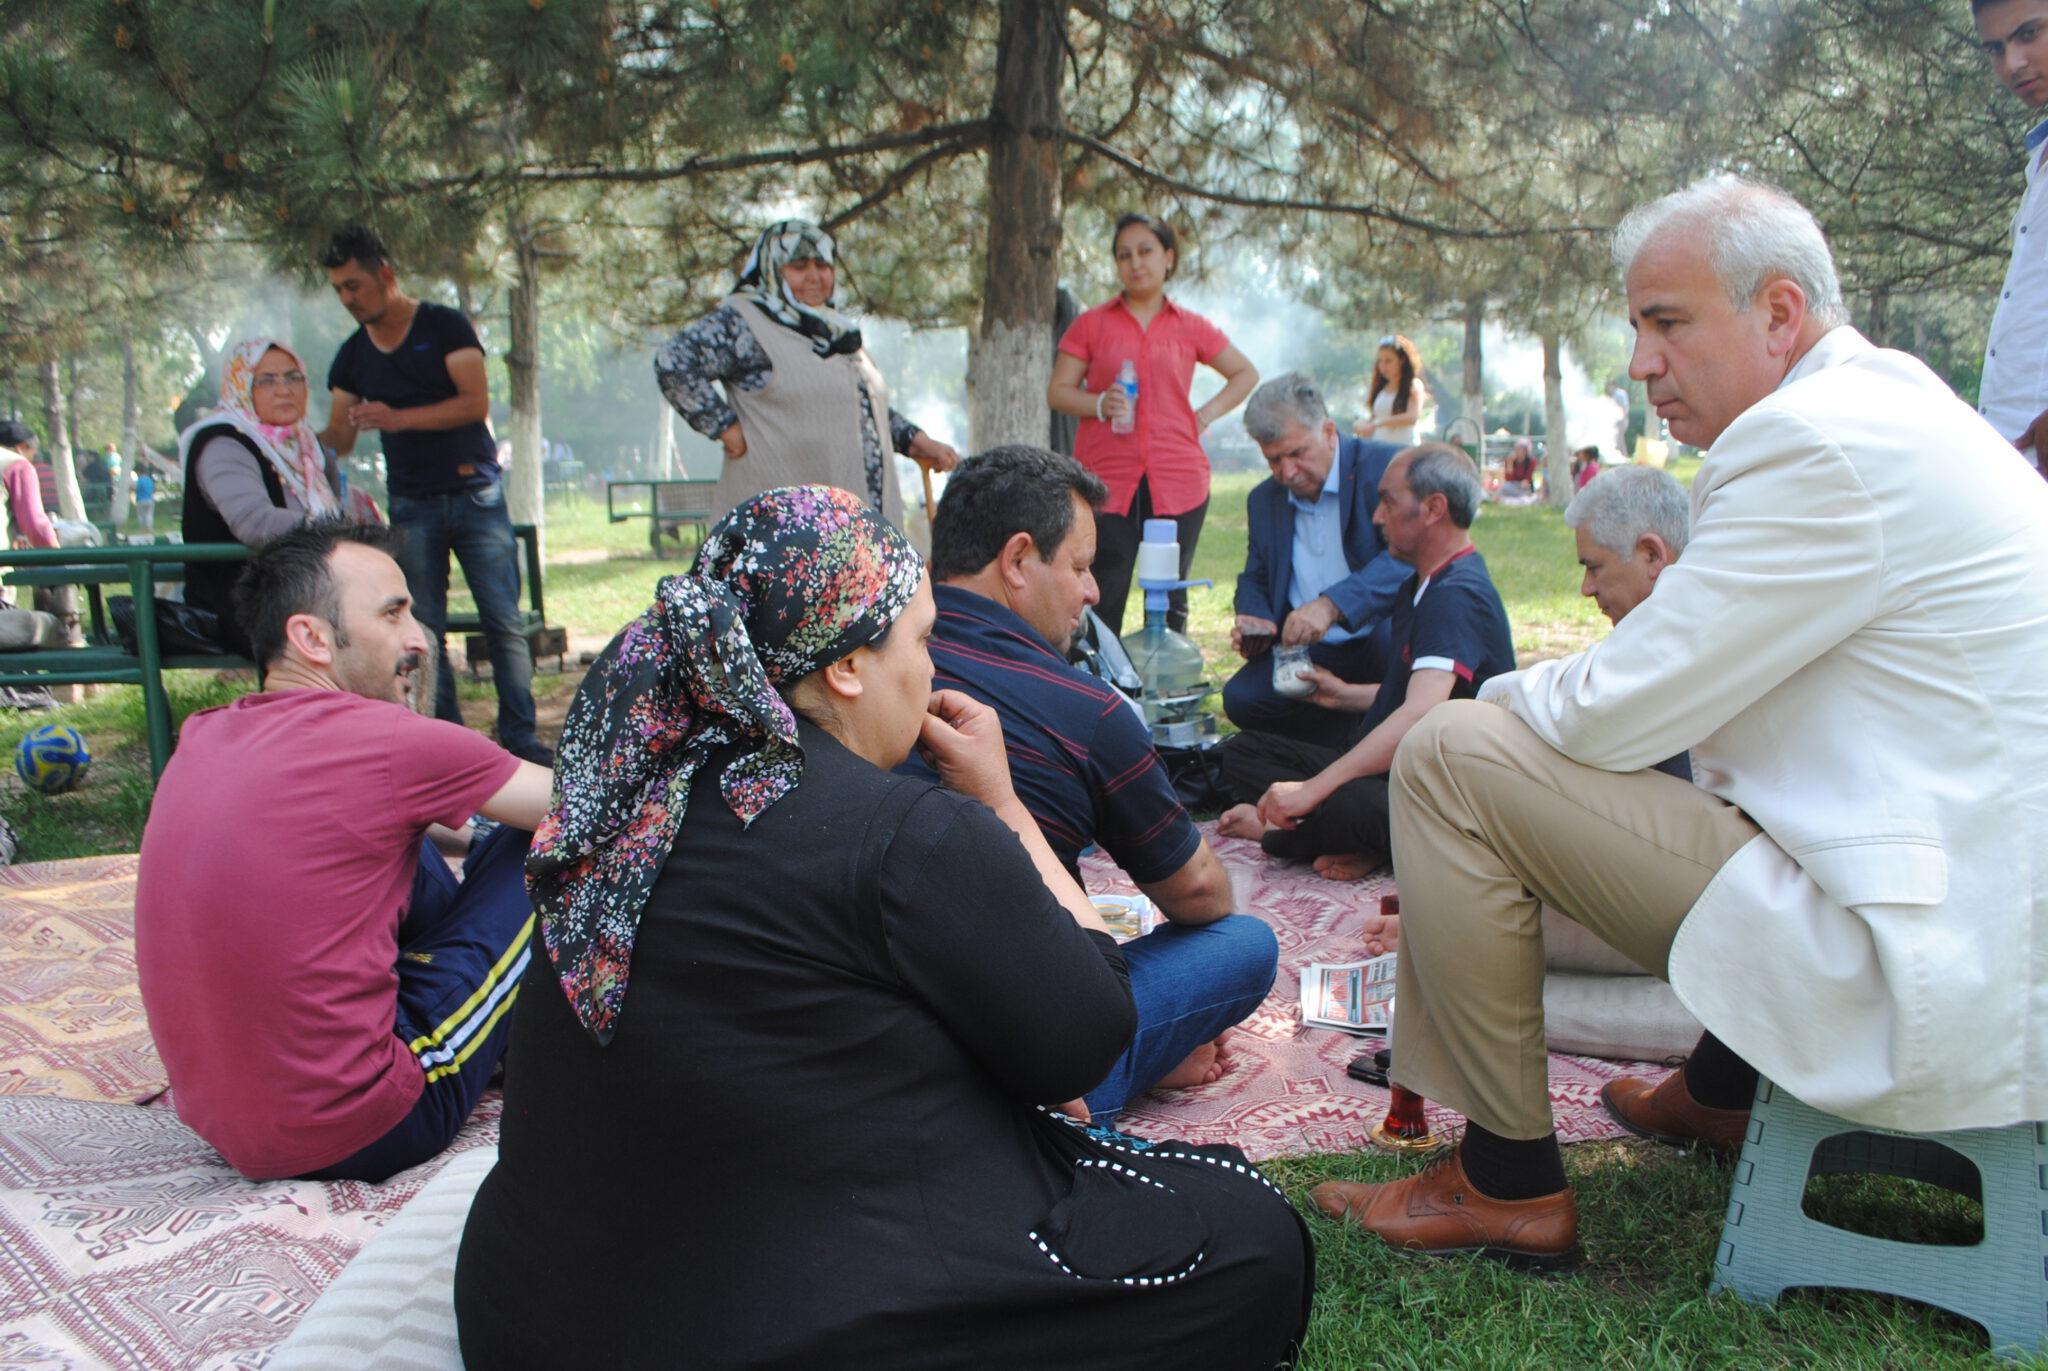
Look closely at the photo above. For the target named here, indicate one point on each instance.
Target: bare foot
(1240, 821)
(1382, 934)
(1203, 1065)
(1346, 866)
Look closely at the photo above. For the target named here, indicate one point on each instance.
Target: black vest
(210, 585)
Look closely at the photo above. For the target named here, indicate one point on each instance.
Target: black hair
(290, 575)
(14, 433)
(356, 243)
(1007, 490)
(1161, 230)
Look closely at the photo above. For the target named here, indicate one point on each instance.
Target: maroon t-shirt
(276, 865)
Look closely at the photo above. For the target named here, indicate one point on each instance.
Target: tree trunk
(131, 436)
(1475, 387)
(1877, 327)
(524, 488)
(1557, 451)
(665, 441)
(1008, 365)
(57, 443)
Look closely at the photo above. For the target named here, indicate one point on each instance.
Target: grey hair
(1621, 504)
(1754, 233)
(1290, 398)
(1440, 469)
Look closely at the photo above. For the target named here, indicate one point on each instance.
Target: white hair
(1621, 504)
(1290, 398)
(1754, 233)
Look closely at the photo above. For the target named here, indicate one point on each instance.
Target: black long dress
(814, 1140)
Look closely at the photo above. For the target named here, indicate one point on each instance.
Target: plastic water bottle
(1127, 381)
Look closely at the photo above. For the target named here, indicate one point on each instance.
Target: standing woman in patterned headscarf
(802, 402)
(787, 1087)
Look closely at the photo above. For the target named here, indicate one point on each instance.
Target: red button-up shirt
(1163, 447)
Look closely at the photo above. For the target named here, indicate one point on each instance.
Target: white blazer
(1855, 647)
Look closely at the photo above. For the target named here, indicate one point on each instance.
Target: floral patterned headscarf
(794, 240)
(790, 581)
(293, 450)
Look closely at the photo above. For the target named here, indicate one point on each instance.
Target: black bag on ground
(1197, 779)
(182, 630)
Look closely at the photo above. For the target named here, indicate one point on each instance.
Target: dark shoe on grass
(1668, 1114)
(1437, 1213)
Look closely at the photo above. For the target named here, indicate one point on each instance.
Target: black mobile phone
(1256, 643)
(1371, 1067)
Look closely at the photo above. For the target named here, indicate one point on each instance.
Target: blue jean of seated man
(1190, 984)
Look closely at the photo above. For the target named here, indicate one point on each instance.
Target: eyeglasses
(265, 380)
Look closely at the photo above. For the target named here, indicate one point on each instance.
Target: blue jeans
(1250, 702)
(1190, 984)
(474, 526)
(462, 949)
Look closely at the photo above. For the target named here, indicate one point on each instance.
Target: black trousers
(1354, 820)
(1116, 557)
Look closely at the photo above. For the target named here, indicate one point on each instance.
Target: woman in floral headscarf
(801, 400)
(253, 469)
(785, 1089)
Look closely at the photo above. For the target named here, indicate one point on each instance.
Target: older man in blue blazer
(1318, 574)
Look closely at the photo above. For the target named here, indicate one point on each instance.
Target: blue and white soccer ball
(51, 758)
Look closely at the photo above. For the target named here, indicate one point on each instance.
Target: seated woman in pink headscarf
(254, 469)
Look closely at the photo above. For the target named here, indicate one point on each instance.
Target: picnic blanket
(1286, 1092)
(125, 1241)
(71, 1020)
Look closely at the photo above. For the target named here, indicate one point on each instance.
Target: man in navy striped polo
(1012, 547)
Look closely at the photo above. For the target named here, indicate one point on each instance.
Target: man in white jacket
(1851, 894)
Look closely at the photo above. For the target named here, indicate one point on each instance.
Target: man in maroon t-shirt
(328, 1000)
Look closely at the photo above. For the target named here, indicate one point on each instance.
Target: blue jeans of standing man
(474, 526)
(1189, 984)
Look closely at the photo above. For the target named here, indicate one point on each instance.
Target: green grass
(1649, 1222)
(1650, 1218)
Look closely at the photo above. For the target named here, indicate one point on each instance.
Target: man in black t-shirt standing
(414, 372)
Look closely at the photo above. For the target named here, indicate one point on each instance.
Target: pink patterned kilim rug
(71, 1020)
(127, 1242)
(1286, 1092)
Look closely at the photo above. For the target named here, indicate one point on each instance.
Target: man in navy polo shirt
(414, 371)
(1317, 573)
(1450, 633)
(1011, 550)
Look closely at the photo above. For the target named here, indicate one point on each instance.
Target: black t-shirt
(426, 461)
(1455, 623)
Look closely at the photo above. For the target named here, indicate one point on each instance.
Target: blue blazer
(1365, 596)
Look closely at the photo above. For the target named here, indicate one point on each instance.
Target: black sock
(1510, 1168)
(1717, 1078)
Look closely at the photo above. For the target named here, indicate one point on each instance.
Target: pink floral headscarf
(293, 449)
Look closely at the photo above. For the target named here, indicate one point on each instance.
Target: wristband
(1100, 396)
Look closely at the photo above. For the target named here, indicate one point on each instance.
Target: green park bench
(666, 505)
(105, 661)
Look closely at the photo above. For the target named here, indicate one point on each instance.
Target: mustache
(411, 661)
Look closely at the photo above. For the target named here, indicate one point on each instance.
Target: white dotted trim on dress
(1239, 1167)
(1133, 1281)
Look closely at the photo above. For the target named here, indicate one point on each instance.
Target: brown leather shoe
(1437, 1213)
(1668, 1113)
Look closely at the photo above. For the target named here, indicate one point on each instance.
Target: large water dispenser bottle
(1174, 673)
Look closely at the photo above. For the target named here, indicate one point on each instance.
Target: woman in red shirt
(1157, 470)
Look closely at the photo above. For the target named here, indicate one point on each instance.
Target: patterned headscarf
(790, 581)
(293, 450)
(793, 240)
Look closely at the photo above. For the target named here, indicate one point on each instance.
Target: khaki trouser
(1489, 822)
